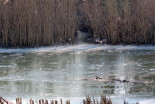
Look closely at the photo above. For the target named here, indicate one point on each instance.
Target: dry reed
(88, 100)
(30, 23)
(121, 21)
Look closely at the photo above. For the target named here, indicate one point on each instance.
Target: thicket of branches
(121, 21)
(30, 23)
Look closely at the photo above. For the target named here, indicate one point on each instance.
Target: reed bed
(31, 23)
(88, 100)
(121, 21)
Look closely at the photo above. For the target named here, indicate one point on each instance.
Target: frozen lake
(70, 72)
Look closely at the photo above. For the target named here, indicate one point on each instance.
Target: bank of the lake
(80, 47)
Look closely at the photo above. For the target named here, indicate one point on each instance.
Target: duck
(98, 77)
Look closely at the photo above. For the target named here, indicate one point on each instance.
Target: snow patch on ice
(152, 69)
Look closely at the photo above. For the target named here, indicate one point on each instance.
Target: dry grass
(88, 100)
(29, 23)
(121, 21)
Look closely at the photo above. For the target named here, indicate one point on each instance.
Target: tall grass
(29, 23)
(121, 21)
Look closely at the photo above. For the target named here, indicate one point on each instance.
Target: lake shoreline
(82, 47)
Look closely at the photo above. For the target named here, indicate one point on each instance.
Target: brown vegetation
(29, 23)
(88, 100)
(121, 21)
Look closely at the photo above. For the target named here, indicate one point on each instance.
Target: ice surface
(82, 47)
